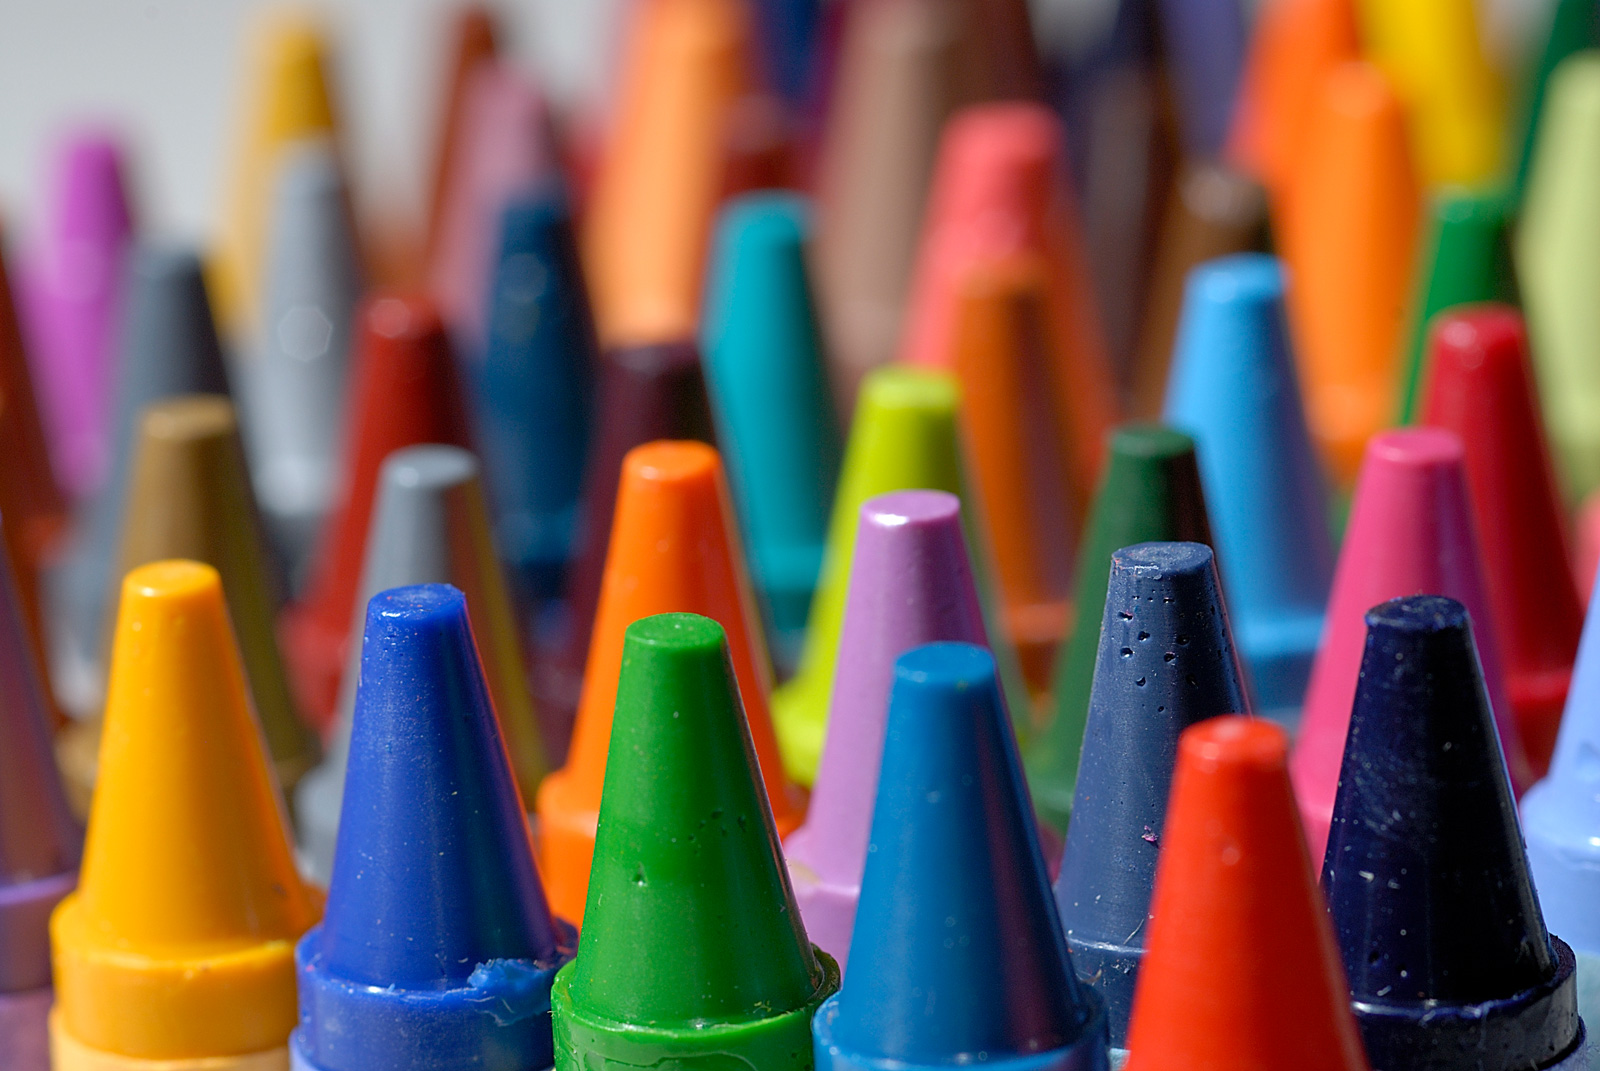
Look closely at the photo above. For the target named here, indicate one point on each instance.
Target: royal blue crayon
(1204, 43)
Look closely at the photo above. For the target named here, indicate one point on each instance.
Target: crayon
(1586, 546)
(178, 946)
(474, 43)
(911, 584)
(1234, 388)
(673, 545)
(1481, 387)
(1205, 43)
(293, 376)
(1574, 26)
(1240, 969)
(692, 950)
(789, 33)
(40, 842)
(1166, 661)
(70, 282)
(959, 953)
(404, 391)
(1559, 269)
(769, 394)
(1433, 907)
(460, 976)
(286, 100)
(429, 526)
(649, 218)
(1348, 229)
(643, 393)
(1411, 529)
(1150, 492)
(999, 58)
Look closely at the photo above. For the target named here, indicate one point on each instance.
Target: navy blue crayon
(1204, 42)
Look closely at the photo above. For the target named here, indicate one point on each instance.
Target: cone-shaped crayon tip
(286, 100)
(1467, 260)
(429, 526)
(692, 943)
(404, 392)
(1558, 256)
(1481, 388)
(674, 548)
(39, 843)
(685, 65)
(1204, 46)
(913, 584)
(533, 390)
(769, 392)
(1150, 492)
(1234, 389)
(1166, 661)
(292, 384)
(1573, 28)
(189, 497)
(1427, 882)
(956, 899)
(459, 976)
(1240, 969)
(1349, 231)
(179, 942)
(1411, 530)
(472, 47)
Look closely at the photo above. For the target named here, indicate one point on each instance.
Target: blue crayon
(769, 395)
(437, 949)
(1166, 660)
(1204, 42)
(1233, 388)
(533, 388)
(958, 955)
(790, 34)
(1449, 961)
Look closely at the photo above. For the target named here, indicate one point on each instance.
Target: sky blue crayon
(437, 949)
(775, 418)
(1233, 388)
(958, 956)
(533, 388)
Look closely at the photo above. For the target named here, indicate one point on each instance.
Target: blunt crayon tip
(1426, 878)
(461, 975)
(955, 896)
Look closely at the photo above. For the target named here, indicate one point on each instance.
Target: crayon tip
(1411, 529)
(955, 895)
(473, 44)
(1216, 991)
(1426, 877)
(1234, 389)
(1166, 661)
(187, 872)
(1480, 386)
(1204, 46)
(691, 929)
(769, 393)
(912, 584)
(391, 978)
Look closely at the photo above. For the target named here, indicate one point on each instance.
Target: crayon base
(69, 1054)
(24, 1037)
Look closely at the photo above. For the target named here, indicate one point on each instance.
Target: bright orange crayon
(673, 548)
(649, 219)
(1349, 227)
(178, 946)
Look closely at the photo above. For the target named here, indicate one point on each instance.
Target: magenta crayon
(70, 282)
(1410, 532)
(910, 584)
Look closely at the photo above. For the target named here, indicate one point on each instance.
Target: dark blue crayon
(1204, 42)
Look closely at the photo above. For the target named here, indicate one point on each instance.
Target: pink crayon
(910, 584)
(70, 279)
(1410, 533)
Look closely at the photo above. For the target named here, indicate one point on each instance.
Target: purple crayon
(910, 584)
(70, 279)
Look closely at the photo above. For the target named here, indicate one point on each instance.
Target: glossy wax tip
(1234, 746)
(1469, 336)
(1150, 442)
(170, 581)
(672, 461)
(1417, 448)
(1244, 279)
(402, 318)
(898, 508)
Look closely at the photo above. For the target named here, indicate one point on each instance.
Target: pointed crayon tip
(1481, 387)
(1240, 969)
(692, 943)
(956, 896)
(912, 584)
(1411, 529)
(473, 43)
(1234, 389)
(1204, 46)
(188, 871)
(1166, 661)
(1426, 877)
(674, 548)
(439, 981)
